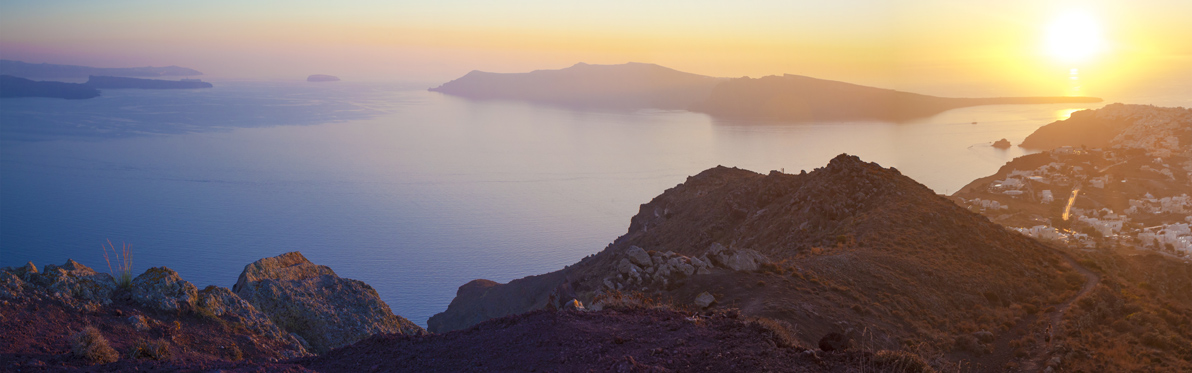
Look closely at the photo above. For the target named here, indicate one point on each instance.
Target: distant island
(11, 87)
(112, 82)
(625, 86)
(322, 78)
(52, 71)
(786, 98)
(801, 98)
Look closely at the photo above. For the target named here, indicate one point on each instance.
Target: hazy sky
(876, 42)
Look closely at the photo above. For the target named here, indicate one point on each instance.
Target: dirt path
(1056, 317)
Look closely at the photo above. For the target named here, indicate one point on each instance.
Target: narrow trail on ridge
(1091, 279)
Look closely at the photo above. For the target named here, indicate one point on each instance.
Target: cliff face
(850, 245)
(625, 86)
(11, 86)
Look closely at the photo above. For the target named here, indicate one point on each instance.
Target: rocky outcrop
(163, 289)
(310, 300)
(1002, 144)
(75, 285)
(736, 259)
(640, 268)
(219, 301)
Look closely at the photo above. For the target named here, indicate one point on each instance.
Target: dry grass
(91, 345)
(782, 332)
(156, 350)
(627, 300)
(123, 270)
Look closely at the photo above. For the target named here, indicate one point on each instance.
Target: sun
(1074, 37)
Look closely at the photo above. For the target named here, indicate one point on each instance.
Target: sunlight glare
(1074, 37)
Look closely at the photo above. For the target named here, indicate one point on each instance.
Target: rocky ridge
(850, 248)
(300, 308)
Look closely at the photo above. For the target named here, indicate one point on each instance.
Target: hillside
(851, 248)
(1113, 192)
(11, 86)
(1116, 124)
(53, 71)
(624, 86)
(801, 98)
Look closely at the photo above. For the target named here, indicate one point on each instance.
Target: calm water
(410, 191)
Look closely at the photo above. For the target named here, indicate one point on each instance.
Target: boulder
(161, 288)
(835, 342)
(138, 322)
(736, 259)
(705, 299)
(624, 266)
(574, 304)
(75, 280)
(639, 256)
(221, 302)
(310, 300)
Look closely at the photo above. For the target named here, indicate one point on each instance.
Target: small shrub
(968, 343)
(123, 271)
(156, 350)
(91, 345)
(782, 331)
(900, 361)
(232, 352)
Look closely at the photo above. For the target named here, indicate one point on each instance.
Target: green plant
(123, 270)
(91, 345)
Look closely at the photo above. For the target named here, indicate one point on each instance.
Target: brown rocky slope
(851, 247)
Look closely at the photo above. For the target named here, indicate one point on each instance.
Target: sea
(410, 191)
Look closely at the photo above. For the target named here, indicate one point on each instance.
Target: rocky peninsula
(113, 82)
(55, 71)
(11, 87)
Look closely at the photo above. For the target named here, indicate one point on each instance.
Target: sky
(1015, 45)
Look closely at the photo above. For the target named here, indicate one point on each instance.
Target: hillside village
(1133, 192)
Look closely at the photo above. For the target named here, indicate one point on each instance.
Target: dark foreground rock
(310, 300)
(612, 340)
(158, 322)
